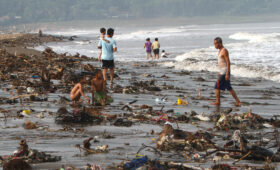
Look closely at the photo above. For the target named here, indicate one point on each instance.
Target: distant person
(107, 56)
(40, 33)
(155, 47)
(148, 46)
(102, 37)
(223, 82)
(77, 91)
(164, 54)
(98, 87)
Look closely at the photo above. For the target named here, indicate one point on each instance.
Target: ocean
(253, 47)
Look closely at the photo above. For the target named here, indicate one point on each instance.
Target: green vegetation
(26, 11)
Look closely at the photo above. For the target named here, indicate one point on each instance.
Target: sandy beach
(133, 82)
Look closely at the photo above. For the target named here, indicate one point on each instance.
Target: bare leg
(92, 98)
(104, 71)
(75, 92)
(99, 56)
(76, 96)
(237, 101)
(112, 76)
(77, 99)
(147, 56)
(218, 101)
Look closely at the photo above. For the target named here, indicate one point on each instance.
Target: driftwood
(21, 96)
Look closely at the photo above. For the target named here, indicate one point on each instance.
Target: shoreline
(179, 21)
(261, 96)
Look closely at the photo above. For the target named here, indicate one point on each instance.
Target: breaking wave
(257, 55)
(255, 38)
(143, 34)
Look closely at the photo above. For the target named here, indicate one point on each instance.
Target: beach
(132, 83)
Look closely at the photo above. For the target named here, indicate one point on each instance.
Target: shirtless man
(98, 86)
(223, 82)
(77, 92)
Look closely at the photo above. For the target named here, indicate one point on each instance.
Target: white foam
(252, 54)
(72, 32)
(252, 58)
(82, 42)
(203, 53)
(143, 34)
(255, 38)
(236, 70)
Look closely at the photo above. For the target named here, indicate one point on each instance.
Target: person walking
(107, 57)
(223, 82)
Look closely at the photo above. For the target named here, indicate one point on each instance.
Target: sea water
(253, 47)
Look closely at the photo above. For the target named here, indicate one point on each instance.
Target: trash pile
(87, 147)
(213, 145)
(29, 40)
(175, 139)
(137, 87)
(199, 148)
(29, 76)
(239, 121)
(228, 139)
(63, 116)
(28, 155)
(146, 163)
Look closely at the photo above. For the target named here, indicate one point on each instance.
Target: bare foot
(215, 103)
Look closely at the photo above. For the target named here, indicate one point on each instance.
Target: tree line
(26, 11)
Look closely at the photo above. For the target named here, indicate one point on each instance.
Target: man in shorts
(155, 47)
(107, 56)
(223, 82)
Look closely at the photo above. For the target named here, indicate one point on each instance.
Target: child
(98, 86)
(102, 37)
(163, 54)
(77, 91)
(148, 46)
(156, 47)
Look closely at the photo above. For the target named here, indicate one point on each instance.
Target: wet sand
(261, 95)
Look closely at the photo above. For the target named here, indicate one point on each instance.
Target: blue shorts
(222, 83)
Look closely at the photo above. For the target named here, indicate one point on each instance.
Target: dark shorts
(149, 52)
(156, 51)
(108, 64)
(223, 84)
